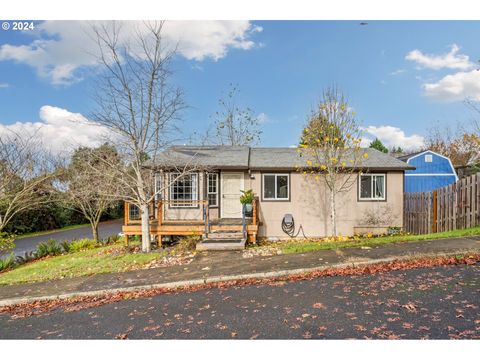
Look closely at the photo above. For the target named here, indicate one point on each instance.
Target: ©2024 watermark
(18, 25)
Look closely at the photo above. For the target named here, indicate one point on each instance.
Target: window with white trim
(183, 190)
(276, 186)
(133, 212)
(428, 158)
(372, 187)
(212, 189)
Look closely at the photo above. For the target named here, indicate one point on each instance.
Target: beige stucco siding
(310, 206)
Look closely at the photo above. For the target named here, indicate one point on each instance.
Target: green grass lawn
(93, 261)
(301, 246)
(38, 233)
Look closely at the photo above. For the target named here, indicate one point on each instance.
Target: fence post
(434, 222)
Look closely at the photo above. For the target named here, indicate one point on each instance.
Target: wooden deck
(161, 227)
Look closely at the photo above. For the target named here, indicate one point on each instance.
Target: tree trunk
(95, 231)
(333, 213)
(145, 228)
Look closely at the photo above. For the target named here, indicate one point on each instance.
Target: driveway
(434, 303)
(105, 229)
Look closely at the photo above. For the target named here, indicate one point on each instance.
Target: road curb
(217, 279)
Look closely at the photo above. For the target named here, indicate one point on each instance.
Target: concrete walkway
(222, 266)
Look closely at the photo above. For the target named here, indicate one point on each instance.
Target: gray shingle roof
(220, 157)
(288, 158)
(243, 157)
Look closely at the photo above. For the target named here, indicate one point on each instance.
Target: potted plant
(246, 199)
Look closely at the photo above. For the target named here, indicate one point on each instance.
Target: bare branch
(137, 101)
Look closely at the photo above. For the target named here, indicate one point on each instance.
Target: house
(205, 201)
(432, 171)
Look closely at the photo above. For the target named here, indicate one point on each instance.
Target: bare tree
(330, 147)
(88, 185)
(138, 102)
(235, 125)
(475, 123)
(461, 146)
(25, 175)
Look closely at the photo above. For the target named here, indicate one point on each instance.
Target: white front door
(232, 183)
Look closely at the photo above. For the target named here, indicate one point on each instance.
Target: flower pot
(248, 208)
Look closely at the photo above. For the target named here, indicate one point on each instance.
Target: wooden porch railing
(182, 205)
(177, 205)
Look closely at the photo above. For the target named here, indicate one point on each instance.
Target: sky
(402, 78)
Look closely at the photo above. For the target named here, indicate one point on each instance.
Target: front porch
(215, 231)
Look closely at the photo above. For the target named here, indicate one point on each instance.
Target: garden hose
(289, 228)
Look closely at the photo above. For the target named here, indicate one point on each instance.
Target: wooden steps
(222, 240)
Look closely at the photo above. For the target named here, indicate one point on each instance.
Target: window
(372, 187)
(428, 158)
(183, 190)
(158, 186)
(275, 186)
(212, 189)
(133, 212)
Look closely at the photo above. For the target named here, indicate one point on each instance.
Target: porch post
(159, 212)
(254, 211)
(126, 213)
(205, 185)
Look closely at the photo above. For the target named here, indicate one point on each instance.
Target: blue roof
(432, 171)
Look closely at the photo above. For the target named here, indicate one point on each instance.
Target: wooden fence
(456, 206)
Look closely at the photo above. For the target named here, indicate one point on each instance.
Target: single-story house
(205, 201)
(432, 171)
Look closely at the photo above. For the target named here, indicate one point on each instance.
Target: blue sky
(401, 77)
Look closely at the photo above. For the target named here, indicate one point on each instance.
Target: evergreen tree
(378, 145)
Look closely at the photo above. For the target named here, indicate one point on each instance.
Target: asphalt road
(105, 229)
(437, 303)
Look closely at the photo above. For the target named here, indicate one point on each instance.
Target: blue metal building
(432, 171)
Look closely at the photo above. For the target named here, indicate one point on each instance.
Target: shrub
(65, 246)
(50, 248)
(394, 230)
(187, 243)
(110, 240)
(7, 263)
(83, 244)
(6, 241)
(27, 256)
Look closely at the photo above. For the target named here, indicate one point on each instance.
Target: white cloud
(450, 60)
(4, 85)
(263, 118)
(61, 130)
(392, 136)
(397, 72)
(61, 49)
(455, 87)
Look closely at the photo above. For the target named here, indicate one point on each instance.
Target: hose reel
(288, 226)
